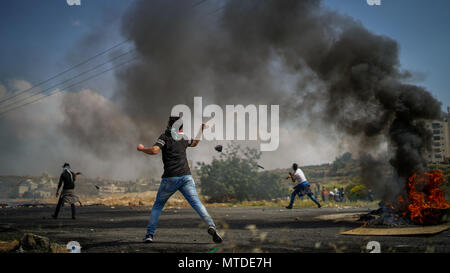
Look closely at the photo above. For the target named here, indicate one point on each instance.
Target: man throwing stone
(176, 176)
(67, 181)
(302, 188)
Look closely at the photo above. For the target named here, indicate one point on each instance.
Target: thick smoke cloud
(98, 124)
(327, 72)
(40, 138)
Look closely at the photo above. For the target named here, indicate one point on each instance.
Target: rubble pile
(31, 243)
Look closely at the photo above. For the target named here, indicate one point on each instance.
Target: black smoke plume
(324, 69)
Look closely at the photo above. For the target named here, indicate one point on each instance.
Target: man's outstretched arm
(150, 150)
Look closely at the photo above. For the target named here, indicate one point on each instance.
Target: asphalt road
(250, 229)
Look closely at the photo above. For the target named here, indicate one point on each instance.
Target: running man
(176, 177)
(302, 188)
(67, 180)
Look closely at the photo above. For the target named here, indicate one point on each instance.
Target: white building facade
(440, 129)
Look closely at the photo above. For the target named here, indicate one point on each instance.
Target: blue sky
(39, 38)
(422, 29)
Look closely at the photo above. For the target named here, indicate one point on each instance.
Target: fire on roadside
(425, 203)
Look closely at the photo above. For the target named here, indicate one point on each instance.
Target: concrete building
(440, 140)
(42, 187)
(112, 189)
(26, 186)
(42, 194)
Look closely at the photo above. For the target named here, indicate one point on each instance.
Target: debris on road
(31, 243)
(421, 230)
(8, 246)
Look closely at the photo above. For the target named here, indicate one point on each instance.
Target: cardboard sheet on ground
(341, 217)
(426, 230)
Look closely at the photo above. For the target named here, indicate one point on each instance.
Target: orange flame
(426, 199)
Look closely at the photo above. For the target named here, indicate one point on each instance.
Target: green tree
(340, 163)
(234, 176)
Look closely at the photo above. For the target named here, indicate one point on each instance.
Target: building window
(436, 132)
(436, 144)
(436, 126)
(437, 150)
(436, 138)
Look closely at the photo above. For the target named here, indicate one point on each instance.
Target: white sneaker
(148, 239)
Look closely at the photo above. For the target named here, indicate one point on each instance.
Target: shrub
(234, 176)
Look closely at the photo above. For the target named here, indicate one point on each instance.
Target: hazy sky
(41, 38)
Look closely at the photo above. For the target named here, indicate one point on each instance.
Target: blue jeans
(301, 190)
(185, 184)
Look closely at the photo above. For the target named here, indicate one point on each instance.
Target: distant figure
(331, 196)
(324, 194)
(176, 177)
(317, 193)
(342, 194)
(336, 194)
(67, 180)
(302, 188)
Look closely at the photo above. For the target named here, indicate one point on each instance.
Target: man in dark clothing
(341, 195)
(67, 180)
(176, 177)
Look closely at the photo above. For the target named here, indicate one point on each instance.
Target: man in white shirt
(302, 188)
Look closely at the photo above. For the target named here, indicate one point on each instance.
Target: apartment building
(440, 140)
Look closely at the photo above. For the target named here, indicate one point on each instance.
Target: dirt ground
(244, 229)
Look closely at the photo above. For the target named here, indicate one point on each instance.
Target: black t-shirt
(67, 180)
(173, 155)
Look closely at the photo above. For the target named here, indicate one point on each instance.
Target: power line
(63, 72)
(84, 62)
(74, 84)
(201, 2)
(68, 80)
